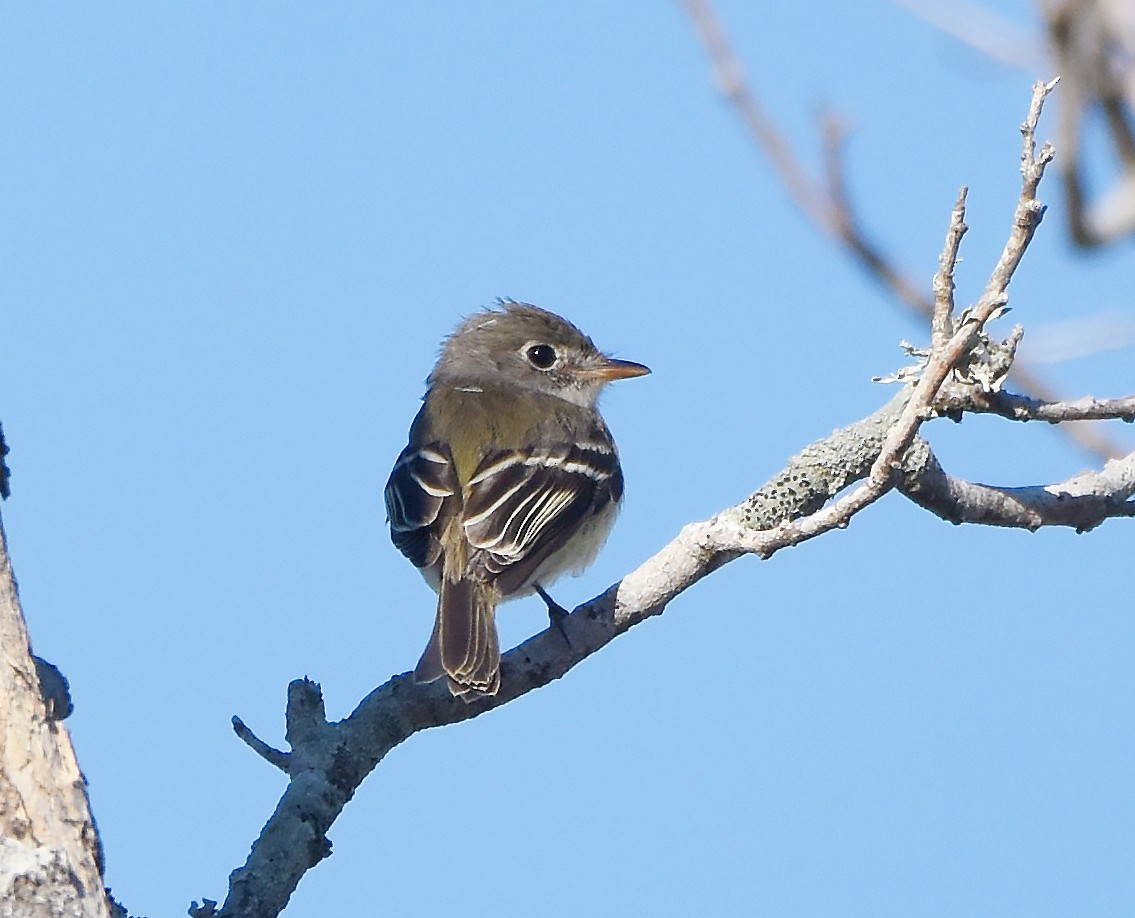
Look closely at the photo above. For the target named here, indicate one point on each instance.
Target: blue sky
(233, 238)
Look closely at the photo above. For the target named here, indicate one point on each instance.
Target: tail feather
(464, 646)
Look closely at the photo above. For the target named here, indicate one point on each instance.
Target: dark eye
(541, 356)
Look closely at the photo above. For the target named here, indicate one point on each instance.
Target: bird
(510, 479)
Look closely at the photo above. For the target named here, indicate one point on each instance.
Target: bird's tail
(464, 646)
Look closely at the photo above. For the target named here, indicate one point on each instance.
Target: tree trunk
(50, 856)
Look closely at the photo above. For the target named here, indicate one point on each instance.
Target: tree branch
(1082, 502)
(965, 398)
(829, 205)
(269, 754)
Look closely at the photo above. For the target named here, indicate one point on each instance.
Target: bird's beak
(609, 368)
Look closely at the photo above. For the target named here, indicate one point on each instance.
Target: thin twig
(848, 229)
(731, 80)
(273, 756)
(954, 402)
(941, 325)
(830, 208)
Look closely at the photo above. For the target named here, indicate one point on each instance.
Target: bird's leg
(556, 613)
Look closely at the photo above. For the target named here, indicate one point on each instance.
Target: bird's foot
(557, 614)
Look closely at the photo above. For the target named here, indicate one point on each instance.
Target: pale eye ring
(541, 356)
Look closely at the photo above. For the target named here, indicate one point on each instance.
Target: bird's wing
(522, 506)
(417, 494)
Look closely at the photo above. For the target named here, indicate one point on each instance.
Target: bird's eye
(541, 356)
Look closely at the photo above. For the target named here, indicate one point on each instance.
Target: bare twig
(1082, 502)
(943, 358)
(831, 209)
(955, 401)
(256, 744)
(731, 80)
(848, 229)
(1084, 436)
(940, 325)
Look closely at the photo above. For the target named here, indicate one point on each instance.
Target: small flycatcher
(510, 478)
